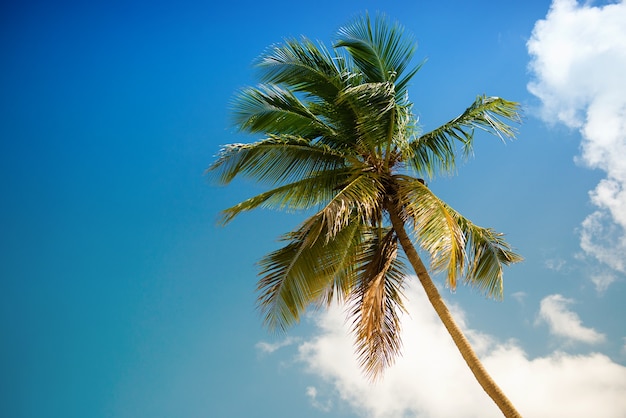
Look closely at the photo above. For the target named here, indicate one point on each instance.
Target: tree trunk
(466, 350)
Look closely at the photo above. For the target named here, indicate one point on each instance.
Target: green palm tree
(340, 141)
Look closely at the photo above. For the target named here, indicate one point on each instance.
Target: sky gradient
(121, 297)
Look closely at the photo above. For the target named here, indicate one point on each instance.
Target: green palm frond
(487, 253)
(341, 259)
(304, 66)
(403, 83)
(376, 302)
(275, 160)
(436, 229)
(381, 51)
(270, 109)
(436, 150)
(343, 194)
(308, 270)
(303, 194)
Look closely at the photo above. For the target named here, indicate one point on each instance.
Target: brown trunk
(466, 350)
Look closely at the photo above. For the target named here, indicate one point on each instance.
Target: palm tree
(340, 141)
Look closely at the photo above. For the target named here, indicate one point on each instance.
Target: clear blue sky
(119, 295)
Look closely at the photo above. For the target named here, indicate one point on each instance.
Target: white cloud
(311, 393)
(556, 264)
(578, 62)
(611, 251)
(602, 281)
(519, 297)
(564, 323)
(269, 348)
(431, 379)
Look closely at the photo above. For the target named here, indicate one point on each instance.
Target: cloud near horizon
(431, 379)
(578, 62)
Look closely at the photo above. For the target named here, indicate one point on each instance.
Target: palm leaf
(380, 50)
(299, 195)
(376, 302)
(270, 109)
(304, 66)
(435, 228)
(309, 269)
(276, 159)
(436, 150)
(487, 253)
(356, 194)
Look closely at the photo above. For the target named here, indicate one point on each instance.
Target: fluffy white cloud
(431, 379)
(564, 323)
(578, 62)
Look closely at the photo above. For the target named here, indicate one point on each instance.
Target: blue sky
(120, 297)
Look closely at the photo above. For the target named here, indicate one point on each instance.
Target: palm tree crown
(340, 140)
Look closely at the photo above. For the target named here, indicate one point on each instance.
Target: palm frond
(376, 302)
(403, 83)
(381, 50)
(275, 159)
(436, 150)
(303, 194)
(309, 269)
(341, 192)
(304, 66)
(271, 109)
(436, 229)
(487, 253)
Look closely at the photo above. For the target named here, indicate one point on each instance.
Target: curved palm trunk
(466, 350)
